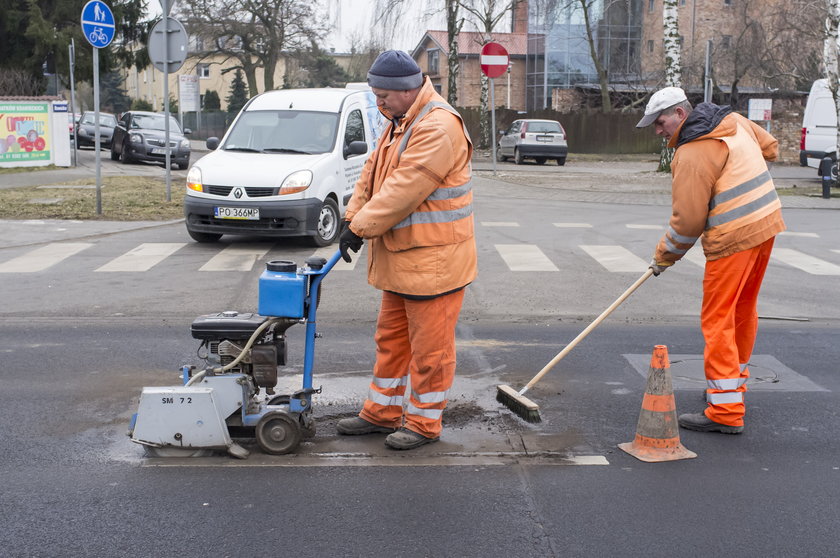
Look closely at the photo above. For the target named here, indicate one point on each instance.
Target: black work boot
(702, 423)
(405, 439)
(356, 426)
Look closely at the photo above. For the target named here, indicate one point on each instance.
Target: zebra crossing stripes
(236, 258)
(644, 227)
(142, 258)
(525, 257)
(43, 258)
(573, 225)
(799, 234)
(499, 224)
(616, 258)
(806, 263)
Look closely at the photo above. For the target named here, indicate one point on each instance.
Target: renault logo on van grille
(237, 193)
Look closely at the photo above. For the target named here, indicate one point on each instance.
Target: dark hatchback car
(86, 129)
(140, 136)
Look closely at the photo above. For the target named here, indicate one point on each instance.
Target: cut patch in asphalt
(477, 431)
(766, 373)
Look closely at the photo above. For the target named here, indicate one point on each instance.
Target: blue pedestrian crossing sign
(98, 23)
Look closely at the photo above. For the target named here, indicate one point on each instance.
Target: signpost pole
(493, 120)
(96, 130)
(165, 5)
(73, 100)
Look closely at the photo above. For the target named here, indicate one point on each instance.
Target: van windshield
(283, 131)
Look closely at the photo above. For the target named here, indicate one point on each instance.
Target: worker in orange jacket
(413, 204)
(722, 192)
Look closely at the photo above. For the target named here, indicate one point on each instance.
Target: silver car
(533, 139)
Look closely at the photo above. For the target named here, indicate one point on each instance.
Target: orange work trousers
(729, 320)
(415, 342)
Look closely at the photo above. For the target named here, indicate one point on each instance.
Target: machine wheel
(517, 157)
(203, 237)
(561, 161)
(540, 160)
(499, 157)
(305, 432)
(171, 451)
(328, 224)
(277, 433)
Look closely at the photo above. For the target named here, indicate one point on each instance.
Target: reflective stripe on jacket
(722, 190)
(413, 202)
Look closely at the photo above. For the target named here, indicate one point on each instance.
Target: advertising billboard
(23, 132)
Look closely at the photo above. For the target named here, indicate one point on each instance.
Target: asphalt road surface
(93, 312)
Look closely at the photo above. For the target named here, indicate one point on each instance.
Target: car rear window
(543, 127)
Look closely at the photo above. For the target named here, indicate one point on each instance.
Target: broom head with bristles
(519, 404)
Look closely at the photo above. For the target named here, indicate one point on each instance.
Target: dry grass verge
(125, 198)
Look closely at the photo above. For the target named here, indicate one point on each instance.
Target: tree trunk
(831, 46)
(673, 70)
(453, 27)
(484, 122)
(603, 78)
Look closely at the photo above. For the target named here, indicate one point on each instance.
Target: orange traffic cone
(657, 434)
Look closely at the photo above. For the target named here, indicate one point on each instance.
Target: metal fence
(587, 131)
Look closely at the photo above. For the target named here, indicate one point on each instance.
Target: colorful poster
(23, 132)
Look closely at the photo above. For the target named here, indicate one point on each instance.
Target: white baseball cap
(661, 100)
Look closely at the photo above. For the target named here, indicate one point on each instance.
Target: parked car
(286, 167)
(86, 129)
(140, 136)
(72, 120)
(533, 139)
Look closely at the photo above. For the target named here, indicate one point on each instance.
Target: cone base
(656, 455)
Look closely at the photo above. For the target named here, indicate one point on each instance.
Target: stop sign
(494, 60)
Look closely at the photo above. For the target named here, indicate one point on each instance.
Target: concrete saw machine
(243, 353)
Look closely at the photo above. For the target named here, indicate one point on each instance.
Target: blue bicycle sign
(98, 23)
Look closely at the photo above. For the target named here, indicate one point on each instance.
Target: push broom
(527, 409)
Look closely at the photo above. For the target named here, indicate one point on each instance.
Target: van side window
(355, 130)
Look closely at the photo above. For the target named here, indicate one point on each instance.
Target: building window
(650, 46)
(438, 88)
(680, 40)
(651, 5)
(726, 41)
(727, 2)
(203, 71)
(682, 2)
(433, 56)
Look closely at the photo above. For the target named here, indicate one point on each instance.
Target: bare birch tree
(830, 60)
(673, 71)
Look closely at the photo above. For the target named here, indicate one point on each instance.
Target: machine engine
(225, 335)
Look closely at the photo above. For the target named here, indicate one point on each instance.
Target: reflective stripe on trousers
(729, 320)
(415, 344)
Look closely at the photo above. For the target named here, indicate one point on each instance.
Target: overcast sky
(354, 20)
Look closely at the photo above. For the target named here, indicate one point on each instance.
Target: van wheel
(203, 237)
(517, 157)
(328, 224)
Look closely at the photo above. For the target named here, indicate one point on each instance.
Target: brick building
(433, 50)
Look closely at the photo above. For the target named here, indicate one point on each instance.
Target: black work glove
(349, 240)
(659, 267)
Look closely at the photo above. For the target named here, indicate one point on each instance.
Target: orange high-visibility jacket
(413, 202)
(721, 188)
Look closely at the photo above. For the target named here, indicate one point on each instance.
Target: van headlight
(296, 182)
(194, 180)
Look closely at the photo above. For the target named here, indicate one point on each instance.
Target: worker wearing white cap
(722, 193)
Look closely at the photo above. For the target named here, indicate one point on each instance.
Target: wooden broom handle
(586, 331)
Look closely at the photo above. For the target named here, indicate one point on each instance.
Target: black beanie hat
(395, 70)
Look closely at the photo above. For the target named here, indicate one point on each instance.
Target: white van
(819, 128)
(286, 166)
